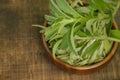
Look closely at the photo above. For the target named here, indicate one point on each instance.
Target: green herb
(81, 35)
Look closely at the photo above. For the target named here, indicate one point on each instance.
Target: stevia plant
(80, 34)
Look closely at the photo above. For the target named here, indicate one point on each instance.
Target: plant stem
(97, 38)
(114, 39)
(40, 26)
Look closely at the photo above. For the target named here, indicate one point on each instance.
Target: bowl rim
(82, 69)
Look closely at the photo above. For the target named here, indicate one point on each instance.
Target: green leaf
(63, 57)
(81, 45)
(55, 47)
(84, 10)
(57, 36)
(98, 55)
(64, 6)
(64, 30)
(73, 57)
(50, 18)
(115, 34)
(83, 62)
(55, 9)
(100, 4)
(107, 45)
(64, 43)
(51, 31)
(61, 52)
(70, 41)
(78, 28)
(89, 24)
(82, 34)
(95, 27)
(90, 49)
(63, 23)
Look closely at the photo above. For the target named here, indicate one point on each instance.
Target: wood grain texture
(22, 55)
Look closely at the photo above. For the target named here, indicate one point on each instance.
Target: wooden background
(22, 55)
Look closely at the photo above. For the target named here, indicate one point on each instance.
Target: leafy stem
(97, 38)
(77, 33)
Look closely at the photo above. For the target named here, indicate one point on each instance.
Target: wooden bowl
(83, 69)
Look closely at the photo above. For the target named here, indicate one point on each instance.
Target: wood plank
(22, 55)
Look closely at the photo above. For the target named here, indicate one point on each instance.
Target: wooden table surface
(22, 55)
